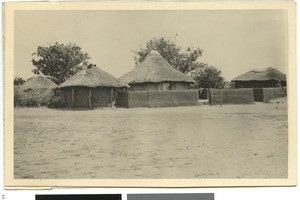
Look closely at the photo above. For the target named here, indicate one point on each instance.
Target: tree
(18, 81)
(59, 61)
(209, 77)
(184, 61)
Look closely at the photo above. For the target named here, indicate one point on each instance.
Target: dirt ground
(232, 141)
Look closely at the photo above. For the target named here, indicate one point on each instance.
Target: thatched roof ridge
(92, 77)
(154, 69)
(38, 81)
(261, 75)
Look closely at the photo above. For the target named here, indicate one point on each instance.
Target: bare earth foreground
(234, 141)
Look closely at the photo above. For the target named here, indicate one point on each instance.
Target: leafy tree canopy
(18, 81)
(209, 77)
(59, 61)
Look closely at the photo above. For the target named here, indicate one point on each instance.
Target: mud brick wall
(131, 99)
(274, 93)
(137, 99)
(173, 98)
(236, 96)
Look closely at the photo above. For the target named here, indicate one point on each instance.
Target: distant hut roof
(154, 69)
(38, 81)
(261, 75)
(92, 77)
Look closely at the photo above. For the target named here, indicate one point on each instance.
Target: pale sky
(233, 41)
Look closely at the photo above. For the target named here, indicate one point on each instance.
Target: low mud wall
(131, 99)
(236, 96)
(273, 93)
(122, 99)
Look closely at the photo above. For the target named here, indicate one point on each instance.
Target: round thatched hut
(260, 78)
(36, 91)
(37, 82)
(155, 73)
(91, 87)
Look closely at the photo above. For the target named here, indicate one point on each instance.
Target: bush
(56, 101)
(37, 98)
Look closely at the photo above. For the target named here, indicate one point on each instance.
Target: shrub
(37, 98)
(56, 101)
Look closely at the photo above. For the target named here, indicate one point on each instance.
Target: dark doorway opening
(258, 94)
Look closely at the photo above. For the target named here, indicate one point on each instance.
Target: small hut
(260, 78)
(91, 87)
(155, 73)
(36, 91)
(37, 82)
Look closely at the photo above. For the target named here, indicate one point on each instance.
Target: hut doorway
(67, 94)
(81, 97)
(101, 97)
(258, 94)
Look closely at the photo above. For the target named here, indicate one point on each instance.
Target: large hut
(260, 78)
(91, 87)
(155, 73)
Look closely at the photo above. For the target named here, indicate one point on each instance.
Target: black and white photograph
(143, 95)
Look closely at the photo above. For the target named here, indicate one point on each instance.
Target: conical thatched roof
(262, 75)
(38, 81)
(154, 69)
(92, 77)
